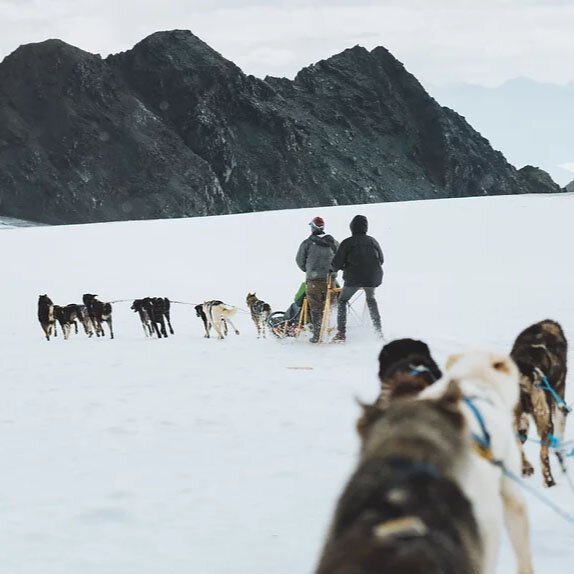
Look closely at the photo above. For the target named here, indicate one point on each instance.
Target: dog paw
(549, 482)
(527, 469)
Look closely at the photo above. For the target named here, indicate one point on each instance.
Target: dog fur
(145, 319)
(218, 315)
(491, 382)
(99, 313)
(70, 315)
(153, 313)
(402, 512)
(541, 350)
(260, 312)
(46, 316)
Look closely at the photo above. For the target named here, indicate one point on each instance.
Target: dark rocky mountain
(570, 187)
(172, 129)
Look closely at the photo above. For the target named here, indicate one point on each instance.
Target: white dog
(218, 316)
(490, 385)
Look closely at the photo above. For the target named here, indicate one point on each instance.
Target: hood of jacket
(323, 240)
(359, 225)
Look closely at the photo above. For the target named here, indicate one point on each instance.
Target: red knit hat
(317, 223)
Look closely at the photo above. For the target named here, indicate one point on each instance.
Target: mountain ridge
(170, 128)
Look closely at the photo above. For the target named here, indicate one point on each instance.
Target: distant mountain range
(529, 121)
(173, 129)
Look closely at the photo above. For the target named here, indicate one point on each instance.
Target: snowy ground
(188, 455)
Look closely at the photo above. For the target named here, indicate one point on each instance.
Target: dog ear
(369, 416)
(452, 360)
(502, 364)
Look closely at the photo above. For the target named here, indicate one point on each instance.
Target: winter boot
(375, 316)
(317, 321)
(340, 337)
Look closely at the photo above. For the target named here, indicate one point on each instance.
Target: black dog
(154, 311)
(406, 367)
(70, 315)
(46, 316)
(99, 313)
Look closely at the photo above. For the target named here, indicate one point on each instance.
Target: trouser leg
(373, 308)
(316, 295)
(344, 297)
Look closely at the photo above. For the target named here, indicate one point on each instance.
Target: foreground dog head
(440, 417)
(488, 370)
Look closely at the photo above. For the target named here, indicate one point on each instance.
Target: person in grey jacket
(314, 258)
(361, 259)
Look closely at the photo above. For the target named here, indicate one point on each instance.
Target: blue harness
(421, 369)
(546, 386)
(483, 441)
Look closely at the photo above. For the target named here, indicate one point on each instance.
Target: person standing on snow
(314, 258)
(361, 259)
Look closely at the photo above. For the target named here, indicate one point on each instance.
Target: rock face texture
(172, 129)
(538, 181)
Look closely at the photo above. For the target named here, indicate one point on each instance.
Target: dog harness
(482, 442)
(546, 386)
(421, 369)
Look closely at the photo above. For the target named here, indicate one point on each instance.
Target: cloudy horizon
(454, 41)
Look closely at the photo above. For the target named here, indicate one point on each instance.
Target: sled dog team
(153, 312)
(440, 454)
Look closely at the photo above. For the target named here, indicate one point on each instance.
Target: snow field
(204, 456)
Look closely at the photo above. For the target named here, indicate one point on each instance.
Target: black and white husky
(218, 315)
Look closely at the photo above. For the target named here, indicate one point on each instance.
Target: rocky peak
(171, 128)
(537, 180)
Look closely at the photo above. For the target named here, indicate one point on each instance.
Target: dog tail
(228, 310)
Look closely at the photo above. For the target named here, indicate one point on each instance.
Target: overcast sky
(440, 41)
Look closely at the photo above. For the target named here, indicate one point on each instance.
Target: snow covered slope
(187, 455)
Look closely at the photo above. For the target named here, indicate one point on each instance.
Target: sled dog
(70, 315)
(260, 312)
(99, 314)
(402, 511)
(406, 367)
(490, 386)
(218, 315)
(46, 316)
(540, 352)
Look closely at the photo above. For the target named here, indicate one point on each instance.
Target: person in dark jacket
(361, 259)
(314, 258)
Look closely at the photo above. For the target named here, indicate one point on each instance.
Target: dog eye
(500, 366)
